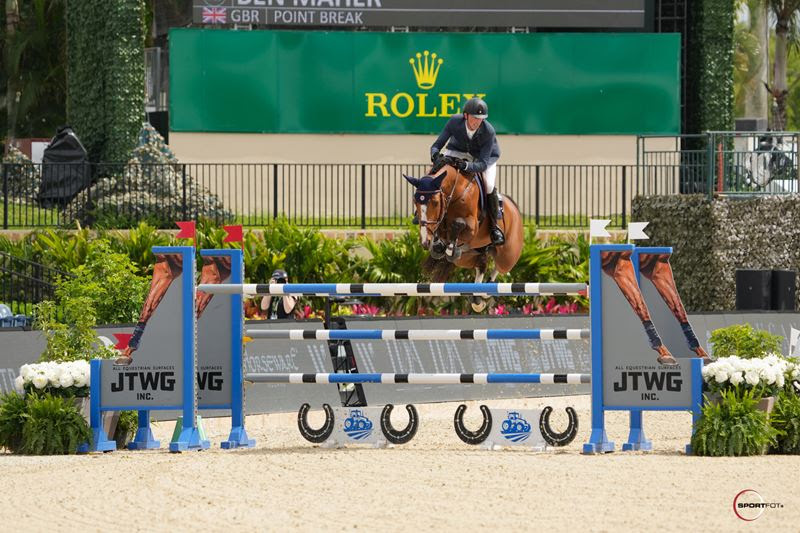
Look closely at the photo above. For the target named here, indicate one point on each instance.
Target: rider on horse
(471, 138)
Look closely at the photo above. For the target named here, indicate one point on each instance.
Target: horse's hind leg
(479, 303)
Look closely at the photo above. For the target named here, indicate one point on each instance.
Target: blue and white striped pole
(421, 379)
(398, 289)
(418, 334)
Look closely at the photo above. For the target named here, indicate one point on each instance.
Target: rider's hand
(436, 157)
(460, 164)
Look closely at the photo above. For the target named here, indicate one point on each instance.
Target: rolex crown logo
(426, 69)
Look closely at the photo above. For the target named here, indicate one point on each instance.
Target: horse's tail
(438, 270)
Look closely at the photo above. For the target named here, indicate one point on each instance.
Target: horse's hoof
(478, 304)
(667, 360)
(436, 255)
(123, 360)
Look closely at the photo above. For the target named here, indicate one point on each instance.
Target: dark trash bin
(65, 169)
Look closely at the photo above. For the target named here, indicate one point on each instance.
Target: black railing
(731, 163)
(323, 195)
(25, 283)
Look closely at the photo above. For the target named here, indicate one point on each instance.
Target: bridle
(446, 203)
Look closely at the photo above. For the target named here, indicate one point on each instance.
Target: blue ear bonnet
(426, 188)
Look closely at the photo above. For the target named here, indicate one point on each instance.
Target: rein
(447, 202)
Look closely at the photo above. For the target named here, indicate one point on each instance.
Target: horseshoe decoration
(404, 435)
(472, 437)
(558, 439)
(315, 435)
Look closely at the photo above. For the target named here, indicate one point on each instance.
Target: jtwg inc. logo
(515, 428)
(648, 383)
(357, 426)
(748, 505)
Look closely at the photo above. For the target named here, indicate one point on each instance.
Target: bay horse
(455, 231)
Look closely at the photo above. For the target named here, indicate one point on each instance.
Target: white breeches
(489, 175)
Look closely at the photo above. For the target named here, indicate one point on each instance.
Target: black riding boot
(494, 214)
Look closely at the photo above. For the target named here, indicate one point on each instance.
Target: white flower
(53, 373)
(39, 381)
(752, 377)
(66, 380)
(19, 384)
(737, 378)
(26, 372)
(721, 375)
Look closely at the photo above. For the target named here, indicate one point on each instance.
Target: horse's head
(428, 202)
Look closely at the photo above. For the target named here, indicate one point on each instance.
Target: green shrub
(556, 260)
(60, 249)
(73, 338)
(785, 418)
(395, 261)
(109, 281)
(744, 341)
(310, 256)
(733, 426)
(13, 410)
(259, 260)
(53, 426)
(137, 244)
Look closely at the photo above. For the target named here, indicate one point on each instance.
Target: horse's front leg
(457, 226)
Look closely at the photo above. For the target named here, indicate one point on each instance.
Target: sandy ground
(434, 482)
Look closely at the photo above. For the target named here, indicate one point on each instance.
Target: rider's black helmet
(476, 107)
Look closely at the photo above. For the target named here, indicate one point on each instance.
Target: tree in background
(33, 45)
(105, 75)
(787, 28)
(751, 59)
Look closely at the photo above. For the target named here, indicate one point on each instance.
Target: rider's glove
(461, 164)
(435, 156)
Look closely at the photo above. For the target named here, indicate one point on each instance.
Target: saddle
(483, 202)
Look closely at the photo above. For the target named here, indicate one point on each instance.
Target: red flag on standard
(187, 230)
(122, 340)
(234, 234)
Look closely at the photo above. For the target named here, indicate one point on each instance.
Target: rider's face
(473, 123)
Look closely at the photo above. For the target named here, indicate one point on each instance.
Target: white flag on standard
(794, 349)
(636, 231)
(597, 228)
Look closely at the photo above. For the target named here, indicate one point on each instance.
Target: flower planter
(767, 404)
(110, 418)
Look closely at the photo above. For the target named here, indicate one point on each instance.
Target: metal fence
(24, 283)
(732, 163)
(323, 195)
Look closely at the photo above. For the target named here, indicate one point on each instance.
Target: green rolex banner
(367, 82)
